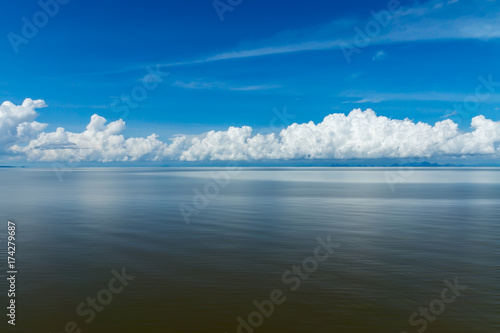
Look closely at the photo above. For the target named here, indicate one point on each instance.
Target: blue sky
(263, 55)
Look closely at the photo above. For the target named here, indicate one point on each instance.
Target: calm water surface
(398, 243)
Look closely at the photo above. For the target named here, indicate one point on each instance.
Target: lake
(254, 249)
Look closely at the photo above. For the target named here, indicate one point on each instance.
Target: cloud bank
(360, 134)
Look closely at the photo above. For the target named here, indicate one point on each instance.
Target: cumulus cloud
(17, 122)
(99, 142)
(360, 134)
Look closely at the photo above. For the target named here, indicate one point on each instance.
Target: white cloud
(17, 122)
(416, 22)
(99, 142)
(429, 21)
(451, 114)
(379, 55)
(221, 86)
(360, 134)
(377, 97)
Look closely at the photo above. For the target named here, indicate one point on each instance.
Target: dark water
(398, 243)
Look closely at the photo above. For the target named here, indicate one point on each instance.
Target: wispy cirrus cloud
(378, 97)
(435, 20)
(221, 85)
(430, 21)
(79, 106)
(379, 55)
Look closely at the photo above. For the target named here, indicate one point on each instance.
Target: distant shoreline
(274, 167)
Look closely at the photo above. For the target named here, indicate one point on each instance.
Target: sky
(236, 80)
